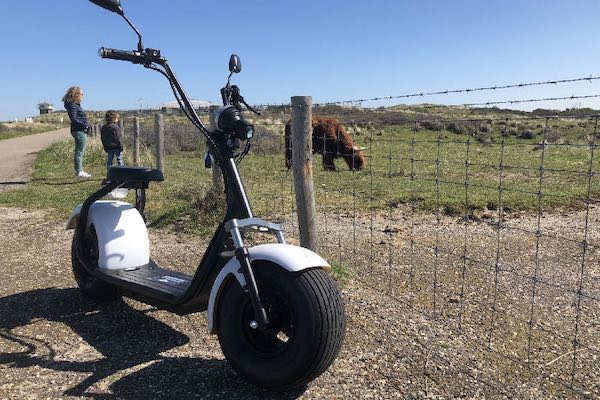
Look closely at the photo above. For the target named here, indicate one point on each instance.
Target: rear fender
(291, 258)
(121, 231)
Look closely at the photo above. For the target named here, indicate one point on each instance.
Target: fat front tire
(305, 334)
(88, 283)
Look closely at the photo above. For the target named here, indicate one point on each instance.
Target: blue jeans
(112, 154)
(80, 141)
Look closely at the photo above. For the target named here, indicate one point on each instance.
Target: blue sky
(331, 50)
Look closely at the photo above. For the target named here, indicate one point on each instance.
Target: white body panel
(292, 258)
(122, 235)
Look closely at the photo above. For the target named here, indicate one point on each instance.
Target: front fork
(234, 227)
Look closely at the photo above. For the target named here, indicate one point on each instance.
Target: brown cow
(330, 139)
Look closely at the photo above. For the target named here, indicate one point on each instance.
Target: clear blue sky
(331, 50)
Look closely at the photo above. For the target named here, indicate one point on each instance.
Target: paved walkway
(17, 155)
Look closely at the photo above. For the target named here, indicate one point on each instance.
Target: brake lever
(237, 98)
(250, 108)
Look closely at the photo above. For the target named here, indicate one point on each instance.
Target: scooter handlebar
(135, 57)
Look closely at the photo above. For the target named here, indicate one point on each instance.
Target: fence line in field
(566, 336)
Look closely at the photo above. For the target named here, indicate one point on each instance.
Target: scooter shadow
(130, 342)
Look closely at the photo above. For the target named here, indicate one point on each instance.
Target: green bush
(435, 126)
(526, 134)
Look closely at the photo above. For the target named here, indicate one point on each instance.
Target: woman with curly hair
(79, 127)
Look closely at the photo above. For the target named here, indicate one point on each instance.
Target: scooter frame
(226, 248)
(221, 261)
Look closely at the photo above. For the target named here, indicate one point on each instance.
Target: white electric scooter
(277, 312)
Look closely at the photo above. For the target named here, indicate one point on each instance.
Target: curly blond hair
(74, 95)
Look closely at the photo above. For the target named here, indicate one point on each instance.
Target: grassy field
(456, 167)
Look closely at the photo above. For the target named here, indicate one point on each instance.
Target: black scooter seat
(135, 174)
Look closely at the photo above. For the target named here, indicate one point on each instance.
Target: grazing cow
(330, 139)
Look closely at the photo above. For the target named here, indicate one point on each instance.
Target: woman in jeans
(79, 127)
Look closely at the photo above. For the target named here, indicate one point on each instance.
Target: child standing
(111, 139)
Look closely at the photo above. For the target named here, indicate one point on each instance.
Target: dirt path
(18, 155)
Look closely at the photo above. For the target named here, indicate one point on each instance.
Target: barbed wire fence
(478, 235)
(476, 242)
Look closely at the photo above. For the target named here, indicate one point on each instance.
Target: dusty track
(17, 155)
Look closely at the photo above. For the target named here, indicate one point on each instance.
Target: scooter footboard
(121, 234)
(292, 258)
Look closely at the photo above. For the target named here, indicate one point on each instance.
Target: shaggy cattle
(330, 139)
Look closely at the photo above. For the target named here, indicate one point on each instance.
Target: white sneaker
(83, 174)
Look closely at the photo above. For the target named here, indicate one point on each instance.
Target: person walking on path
(111, 139)
(79, 127)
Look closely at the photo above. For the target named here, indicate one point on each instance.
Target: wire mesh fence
(487, 228)
(486, 232)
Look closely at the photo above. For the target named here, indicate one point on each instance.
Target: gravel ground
(56, 344)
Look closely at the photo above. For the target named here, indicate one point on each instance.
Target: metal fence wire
(465, 230)
(478, 238)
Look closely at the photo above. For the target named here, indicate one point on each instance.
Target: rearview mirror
(110, 5)
(235, 65)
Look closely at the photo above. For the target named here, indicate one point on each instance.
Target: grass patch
(437, 170)
(340, 273)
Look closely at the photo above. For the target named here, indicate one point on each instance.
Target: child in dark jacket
(111, 139)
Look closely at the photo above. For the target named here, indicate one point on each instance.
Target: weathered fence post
(136, 141)
(159, 130)
(217, 176)
(302, 168)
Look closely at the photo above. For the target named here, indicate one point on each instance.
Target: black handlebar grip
(122, 55)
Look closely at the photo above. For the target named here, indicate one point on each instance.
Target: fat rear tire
(305, 335)
(88, 283)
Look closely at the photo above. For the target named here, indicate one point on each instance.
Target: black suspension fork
(242, 255)
(238, 206)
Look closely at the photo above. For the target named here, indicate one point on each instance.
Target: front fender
(290, 257)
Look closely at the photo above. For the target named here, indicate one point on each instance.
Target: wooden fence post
(159, 130)
(217, 176)
(136, 141)
(302, 169)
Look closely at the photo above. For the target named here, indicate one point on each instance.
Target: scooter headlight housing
(230, 120)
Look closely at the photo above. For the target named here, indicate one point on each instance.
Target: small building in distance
(45, 108)
(173, 107)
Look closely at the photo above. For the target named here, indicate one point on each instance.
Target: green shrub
(267, 141)
(455, 127)
(484, 138)
(435, 126)
(553, 135)
(526, 134)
